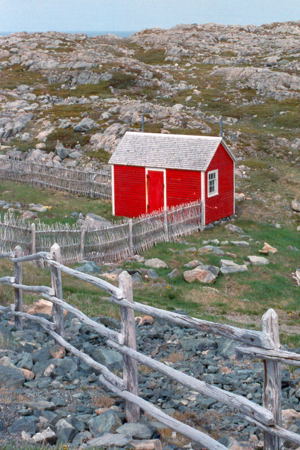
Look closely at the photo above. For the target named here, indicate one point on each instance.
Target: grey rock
(89, 267)
(202, 274)
(156, 263)
(110, 358)
(295, 204)
(173, 274)
(240, 243)
(228, 266)
(41, 405)
(210, 249)
(27, 424)
(11, 377)
(81, 438)
(85, 124)
(136, 430)
(47, 436)
(65, 431)
(258, 260)
(104, 423)
(234, 228)
(108, 440)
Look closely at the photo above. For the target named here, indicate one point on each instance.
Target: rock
(38, 208)
(295, 205)
(240, 243)
(64, 431)
(107, 422)
(41, 405)
(202, 274)
(108, 440)
(95, 222)
(27, 424)
(296, 277)
(267, 248)
(150, 444)
(44, 437)
(193, 263)
(136, 430)
(89, 267)
(258, 260)
(11, 377)
(40, 307)
(85, 124)
(228, 266)
(28, 215)
(239, 197)
(28, 374)
(234, 229)
(156, 263)
(210, 249)
(144, 320)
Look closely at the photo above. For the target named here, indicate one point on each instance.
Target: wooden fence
(88, 184)
(255, 344)
(108, 244)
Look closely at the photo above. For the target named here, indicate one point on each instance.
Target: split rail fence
(88, 184)
(263, 344)
(114, 243)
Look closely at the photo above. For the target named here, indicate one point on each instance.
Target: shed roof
(174, 151)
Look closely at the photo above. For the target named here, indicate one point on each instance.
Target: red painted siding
(221, 205)
(130, 191)
(183, 186)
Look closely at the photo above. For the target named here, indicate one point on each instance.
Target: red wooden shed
(152, 171)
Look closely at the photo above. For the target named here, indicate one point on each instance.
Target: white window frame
(216, 184)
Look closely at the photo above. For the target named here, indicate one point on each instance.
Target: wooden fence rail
(267, 348)
(114, 243)
(88, 184)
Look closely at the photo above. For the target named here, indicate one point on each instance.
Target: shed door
(155, 190)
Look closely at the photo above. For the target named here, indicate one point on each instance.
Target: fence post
(272, 379)
(202, 217)
(130, 236)
(166, 224)
(18, 292)
(130, 371)
(33, 238)
(82, 238)
(56, 283)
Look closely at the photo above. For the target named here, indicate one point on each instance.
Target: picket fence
(263, 345)
(88, 184)
(114, 243)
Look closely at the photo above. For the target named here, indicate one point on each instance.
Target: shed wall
(130, 191)
(221, 205)
(183, 186)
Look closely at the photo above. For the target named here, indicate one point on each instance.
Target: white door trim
(113, 188)
(165, 185)
(203, 193)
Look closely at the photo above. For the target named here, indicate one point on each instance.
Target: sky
(134, 15)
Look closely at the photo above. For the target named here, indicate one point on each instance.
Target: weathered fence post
(56, 283)
(18, 280)
(130, 236)
(166, 225)
(272, 378)
(82, 238)
(33, 238)
(130, 372)
(202, 216)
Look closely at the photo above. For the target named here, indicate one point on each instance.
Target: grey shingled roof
(174, 151)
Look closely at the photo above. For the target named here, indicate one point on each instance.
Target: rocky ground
(50, 396)
(68, 99)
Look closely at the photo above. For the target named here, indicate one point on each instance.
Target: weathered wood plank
(238, 402)
(191, 433)
(130, 370)
(286, 357)
(18, 252)
(272, 379)
(56, 282)
(88, 278)
(251, 337)
(34, 257)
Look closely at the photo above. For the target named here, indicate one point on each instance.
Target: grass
(15, 75)
(100, 155)
(67, 136)
(61, 204)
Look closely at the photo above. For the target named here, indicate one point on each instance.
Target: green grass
(67, 136)
(62, 204)
(12, 77)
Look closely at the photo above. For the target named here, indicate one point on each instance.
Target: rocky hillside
(65, 97)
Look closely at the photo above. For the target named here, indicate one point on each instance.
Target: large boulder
(11, 377)
(156, 263)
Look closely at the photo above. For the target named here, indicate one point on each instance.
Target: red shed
(152, 171)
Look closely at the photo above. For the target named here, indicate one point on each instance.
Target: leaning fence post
(202, 217)
(18, 280)
(130, 371)
(166, 224)
(56, 283)
(130, 236)
(272, 378)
